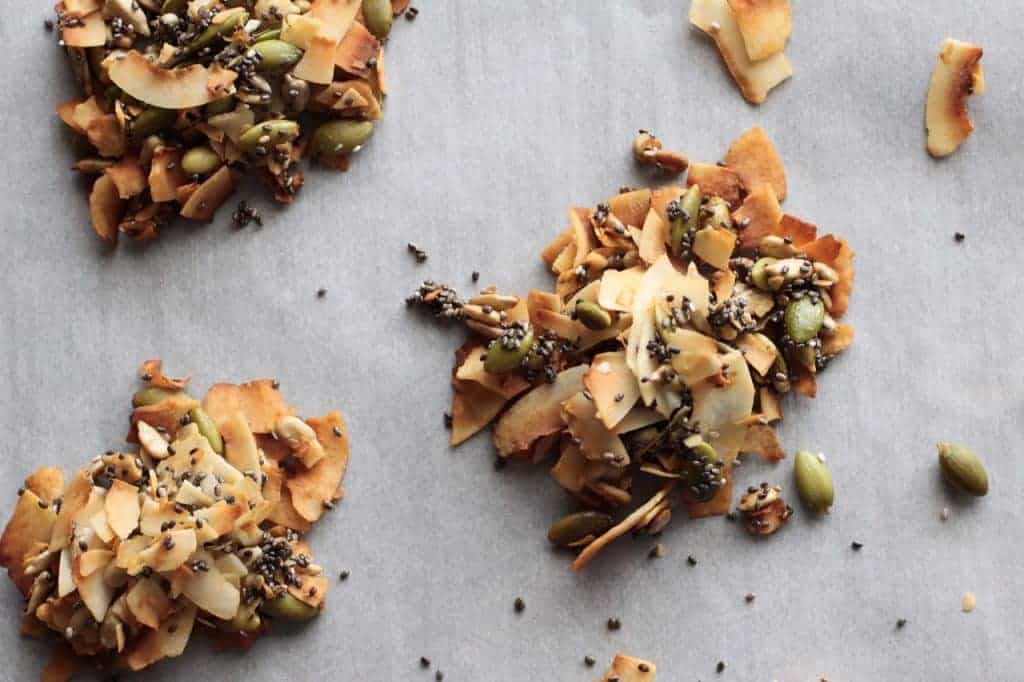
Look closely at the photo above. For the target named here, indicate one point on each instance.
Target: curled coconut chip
(142, 546)
(765, 24)
(680, 318)
(180, 97)
(957, 75)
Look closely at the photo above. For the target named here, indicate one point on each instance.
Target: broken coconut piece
(664, 350)
(146, 543)
(629, 669)
(184, 114)
(754, 78)
(957, 75)
(764, 24)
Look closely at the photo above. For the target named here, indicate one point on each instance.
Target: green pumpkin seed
(200, 161)
(963, 469)
(242, 622)
(688, 218)
(220, 106)
(378, 16)
(150, 122)
(717, 212)
(267, 134)
(759, 274)
(237, 18)
(574, 527)
(174, 6)
(151, 395)
(814, 481)
(502, 360)
(276, 55)
(592, 315)
(271, 34)
(287, 607)
(707, 452)
(804, 318)
(207, 428)
(341, 137)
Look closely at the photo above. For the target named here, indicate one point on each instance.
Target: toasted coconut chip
(106, 134)
(755, 79)
(122, 508)
(628, 669)
(771, 408)
(618, 288)
(839, 256)
(259, 401)
(75, 499)
(313, 488)
(89, 31)
(716, 406)
(47, 483)
(573, 471)
(80, 8)
(612, 386)
(283, 512)
(317, 63)
(839, 340)
(758, 354)
(158, 557)
(583, 234)
(472, 369)
(299, 29)
(764, 24)
(180, 88)
(714, 246)
(356, 50)
(90, 561)
(66, 112)
(957, 75)
(653, 238)
(165, 416)
(210, 590)
(128, 177)
(473, 408)
(209, 196)
(29, 526)
(538, 413)
(638, 418)
(755, 159)
(631, 207)
(152, 374)
(168, 641)
(338, 16)
(552, 250)
(595, 440)
(717, 505)
(697, 358)
(239, 444)
(761, 439)
(96, 594)
(155, 445)
(799, 231)
(661, 198)
(806, 385)
(623, 527)
(148, 602)
(62, 666)
(105, 208)
(718, 180)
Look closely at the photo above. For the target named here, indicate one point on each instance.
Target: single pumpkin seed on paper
(335, 139)
(814, 481)
(963, 469)
(574, 527)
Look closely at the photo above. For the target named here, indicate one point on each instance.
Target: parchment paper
(502, 116)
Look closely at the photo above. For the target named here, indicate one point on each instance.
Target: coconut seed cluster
(202, 523)
(680, 316)
(180, 97)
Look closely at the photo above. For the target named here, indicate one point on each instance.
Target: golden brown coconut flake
(957, 75)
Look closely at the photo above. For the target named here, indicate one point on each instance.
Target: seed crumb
(959, 236)
(656, 552)
(320, 293)
(343, 576)
(475, 276)
(589, 661)
(420, 254)
(968, 602)
(424, 662)
(411, 13)
(855, 546)
(614, 624)
(750, 597)
(48, 24)
(901, 623)
(720, 667)
(692, 560)
(244, 215)
(520, 605)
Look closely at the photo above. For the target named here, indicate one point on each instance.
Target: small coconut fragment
(537, 414)
(152, 373)
(105, 208)
(629, 669)
(754, 78)
(716, 180)
(300, 437)
(149, 603)
(957, 75)
(764, 24)
(122, 507)
(85, 31)
(756, 161)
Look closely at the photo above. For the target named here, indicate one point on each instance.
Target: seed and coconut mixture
(680, 316)
(201, 521)
(182, 95)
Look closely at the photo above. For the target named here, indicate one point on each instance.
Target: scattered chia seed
(448, 420)
(589, 661)
(750, 597)
(475, 276)
(419, 253)
(692, 560)
(519, 605)
(439, 676)
(424, 662)
(656, 552)
(855, 546)
(959, 236)
(614, 624)
(720, 667)
(244, 215)
(901, 623)
(320, 293)
(500, 463)
(411, 13)
(343, 576)
(48, 25)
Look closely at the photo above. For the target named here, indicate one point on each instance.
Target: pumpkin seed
(502, 359)
(287, 607)
(804, 317)
(220, 106)
(200, 161)
(338, 138)
(174, 6)
(963, 469)
(237, 18)
(151, 121)
(759, 273)
(267, 134)
(775, 246)
(574, 527)
(276, 55)
(814, 481)
(592, 315)
(378, 16)
(207, 428)
(151, 395)
(272, 34)
(687, 219)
